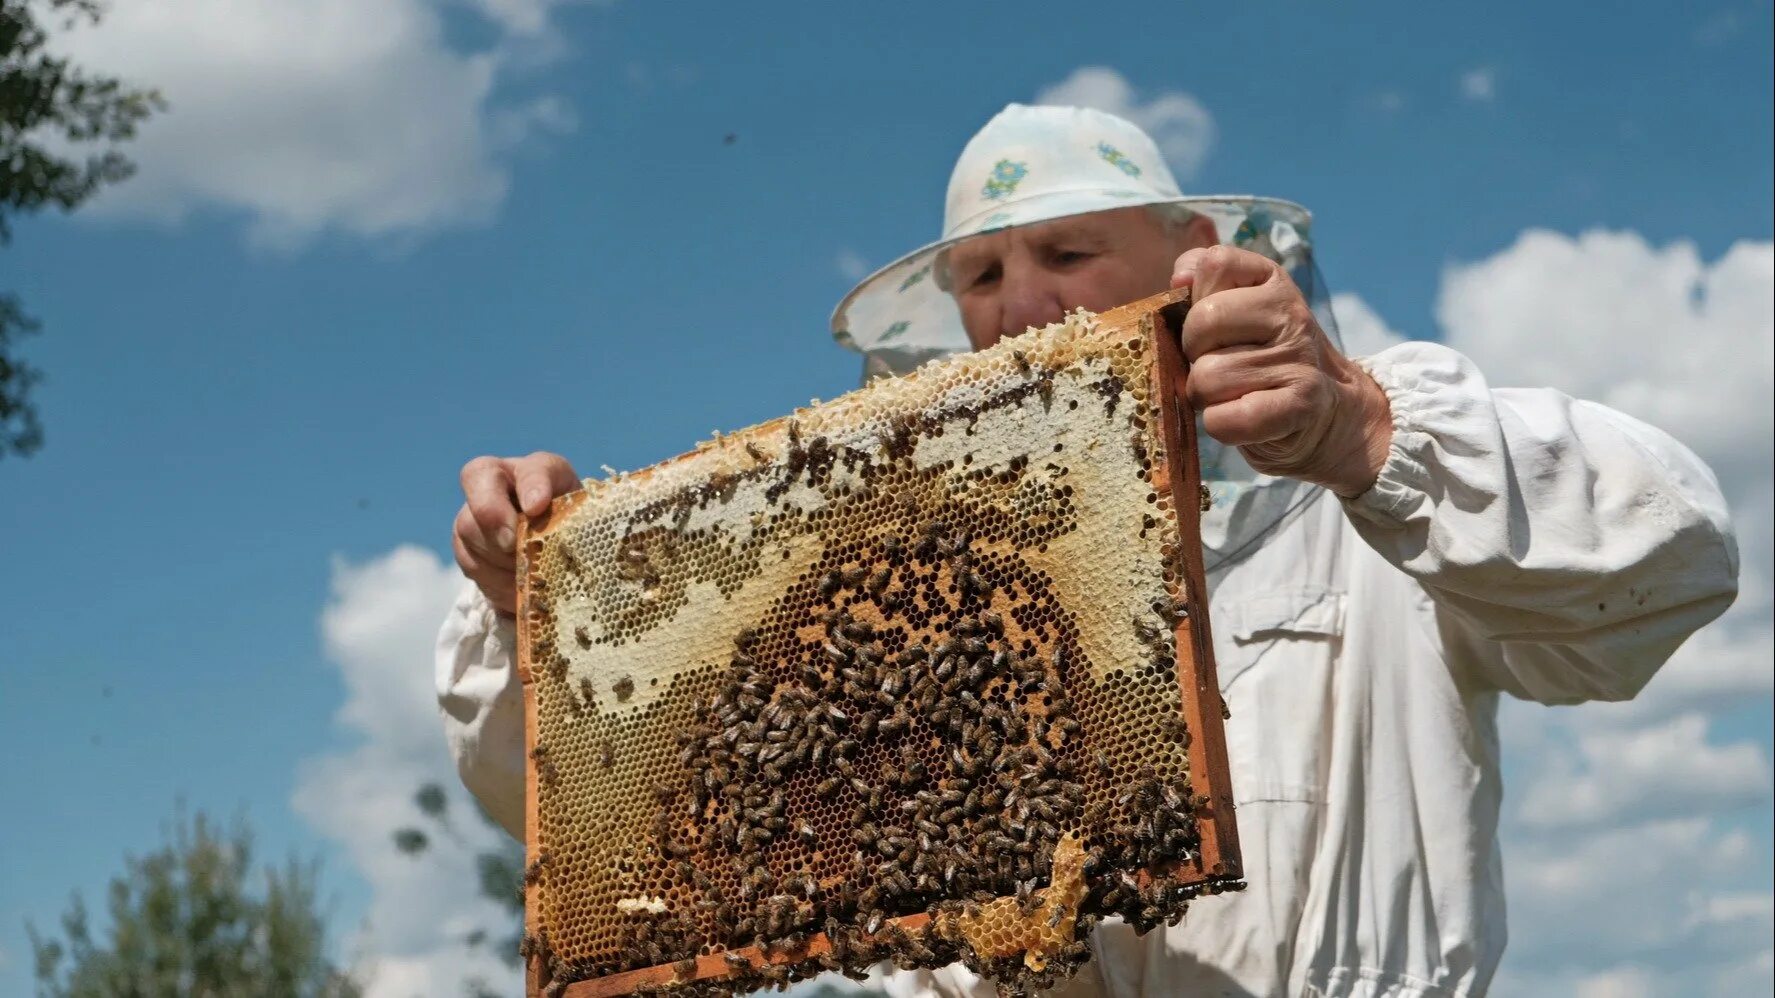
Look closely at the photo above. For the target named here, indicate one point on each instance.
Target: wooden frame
(1159, 319)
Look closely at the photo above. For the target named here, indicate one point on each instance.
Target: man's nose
(1028, 301)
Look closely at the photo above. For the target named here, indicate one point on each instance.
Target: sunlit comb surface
(896, 677)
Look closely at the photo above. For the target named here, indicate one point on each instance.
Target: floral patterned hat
(1034, 164)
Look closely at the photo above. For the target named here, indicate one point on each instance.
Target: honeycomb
(918, 674)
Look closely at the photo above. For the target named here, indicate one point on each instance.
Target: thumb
(1183, 272)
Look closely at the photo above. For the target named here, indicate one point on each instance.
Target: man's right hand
(497, 490)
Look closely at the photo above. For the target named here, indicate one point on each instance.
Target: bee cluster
(981, 773)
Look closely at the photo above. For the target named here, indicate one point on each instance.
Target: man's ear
(1198, 233)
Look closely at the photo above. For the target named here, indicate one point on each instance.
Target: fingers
(1258, 417)
(479, 549)
(1231, 372)
(1235, 317)
(1214, 269)
(487, 485)
(491, 568)
(539, 478)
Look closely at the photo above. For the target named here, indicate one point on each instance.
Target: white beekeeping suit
(1517, 541)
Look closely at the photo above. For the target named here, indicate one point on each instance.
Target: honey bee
(686, 968)
(1022, 360)
(753, 450)
(624, 688)
(581, 635)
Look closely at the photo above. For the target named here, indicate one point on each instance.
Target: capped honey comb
(920, 674)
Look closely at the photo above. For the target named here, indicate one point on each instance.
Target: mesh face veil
(1036, 164)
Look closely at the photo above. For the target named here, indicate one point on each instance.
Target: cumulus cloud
(1362, 329)
(320, 115)
(1480, 84)
(378, 629)
(1177, 122)
(1628, 859)
(1654, 331)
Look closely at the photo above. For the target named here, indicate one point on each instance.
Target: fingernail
(533, 497)
(506, 539)
(1182, 277)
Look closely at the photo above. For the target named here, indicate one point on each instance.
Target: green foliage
(185, 922)
(58, 126)
(500, 871)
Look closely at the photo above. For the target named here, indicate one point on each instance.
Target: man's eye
(984, 278)
(1072, 256)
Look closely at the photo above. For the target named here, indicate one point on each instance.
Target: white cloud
(1630, 865)
(1480, 84)
(1622, 982)
(1362, 329)
(1660, 770)
(313, 116)
(378, 628)
(1177, 122)
(851, 266)
(1655, 332)
(1589, 903)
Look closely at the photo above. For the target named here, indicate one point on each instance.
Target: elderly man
(1393, 543)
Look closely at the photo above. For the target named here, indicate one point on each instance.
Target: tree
(500, 871)
(186, 923)
(58, 124)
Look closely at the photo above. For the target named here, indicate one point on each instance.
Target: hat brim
(899, 318)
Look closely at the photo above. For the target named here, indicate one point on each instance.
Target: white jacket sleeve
(483, 705)
(1574, 547)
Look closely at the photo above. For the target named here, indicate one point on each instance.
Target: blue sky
(494, 226)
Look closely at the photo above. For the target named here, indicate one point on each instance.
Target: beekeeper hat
(1035, 164)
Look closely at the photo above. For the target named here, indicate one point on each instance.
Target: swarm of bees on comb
(917, 675)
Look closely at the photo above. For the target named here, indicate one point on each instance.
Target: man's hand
(1267, 379)
(486, 530)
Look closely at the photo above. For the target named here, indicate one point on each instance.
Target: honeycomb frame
(999, 938)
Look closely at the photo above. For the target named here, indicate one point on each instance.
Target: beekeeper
(1393, 543)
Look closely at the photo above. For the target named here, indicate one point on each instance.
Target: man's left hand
(1267, 379)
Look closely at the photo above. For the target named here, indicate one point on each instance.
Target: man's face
(1032, 275)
